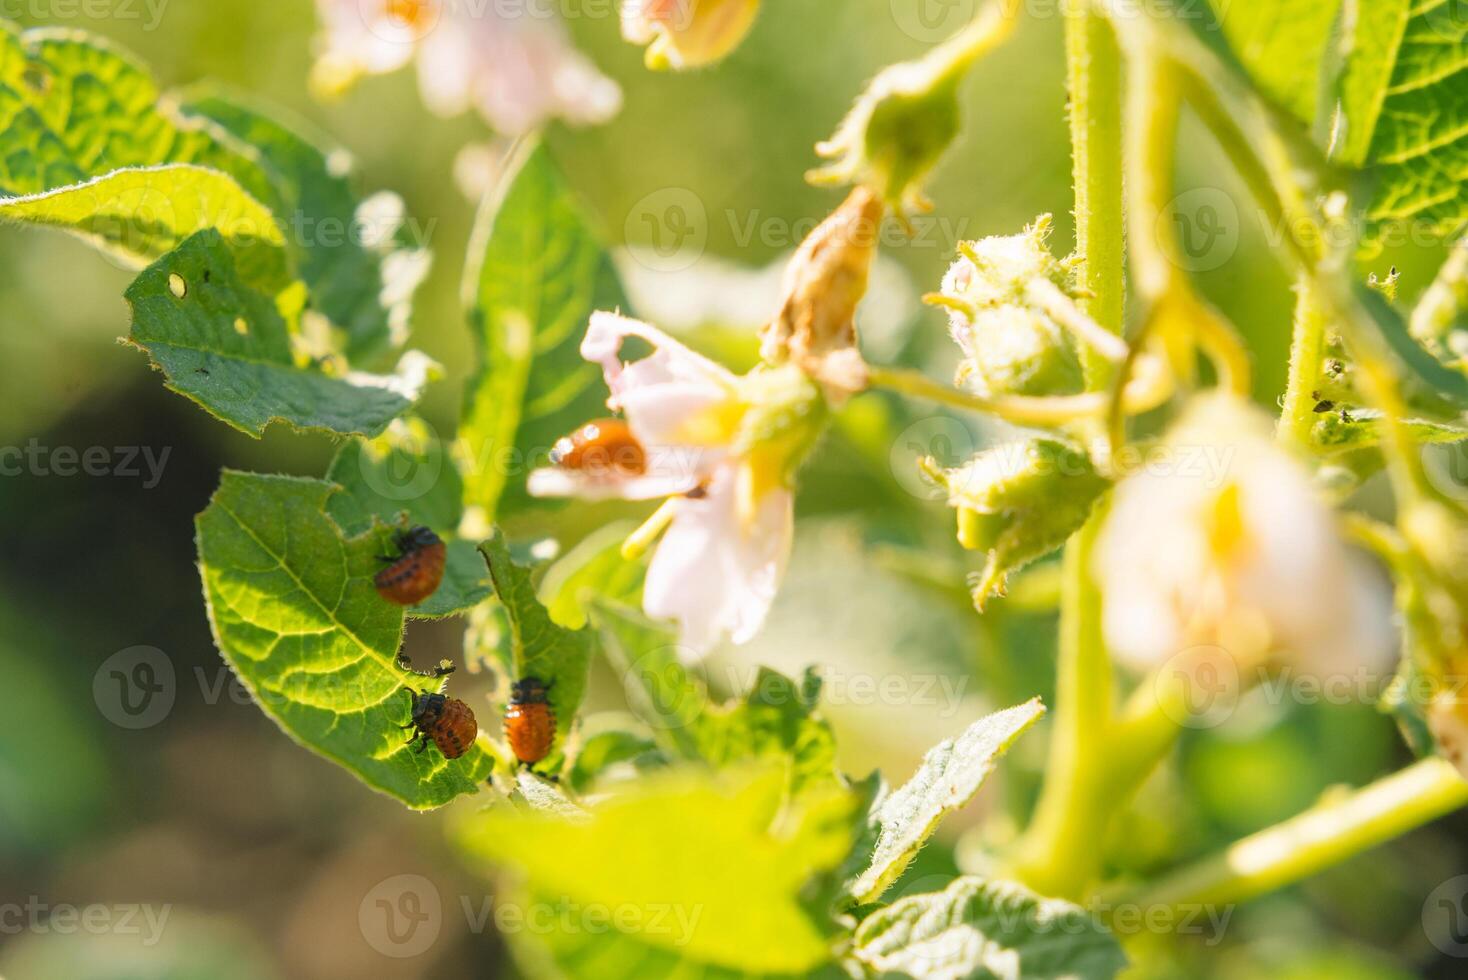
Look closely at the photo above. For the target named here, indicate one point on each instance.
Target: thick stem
(1315, 840)
(1061, 852)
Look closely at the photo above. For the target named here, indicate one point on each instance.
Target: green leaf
(987, 930)
(75, 106)
(537, 273)
(1363, 429)
(1431, 387)
(540, 794)
(295, 614)
(1418, 137)
(778, 720)
(593, 569)
(951, 773)
(229, 348)
(560, 657)
(606, 749)
(406, 471)
(1283, 45)
(660, 689)
(141, 214)
(1366, 62)
(709, 871)
(346, 248)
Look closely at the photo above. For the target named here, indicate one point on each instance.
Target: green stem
(1297, 418)
(1049, 410)
(1061, 854)
(1315, 840)
(1094, 81)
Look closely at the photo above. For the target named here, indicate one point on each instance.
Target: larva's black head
(426, 705)
(415, 538)
(529, 690)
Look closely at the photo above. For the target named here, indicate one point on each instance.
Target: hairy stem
(1315, 840)
(1094, 81)
(1297, 417)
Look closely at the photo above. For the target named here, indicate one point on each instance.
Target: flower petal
(672, 397)
(712, 573)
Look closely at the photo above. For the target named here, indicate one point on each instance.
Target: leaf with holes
(950, 774)
(987, 930)
(559, 657)
(537, 273)
(143, 213)
(228, 347)
(295, 614)
(75, 108)
(348, 250)
(404, 476)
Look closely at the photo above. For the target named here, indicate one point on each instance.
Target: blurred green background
(266, 857)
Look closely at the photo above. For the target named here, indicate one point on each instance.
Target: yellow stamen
(645, 536)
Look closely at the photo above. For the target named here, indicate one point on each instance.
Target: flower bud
(1003, 296)
(895, 134)
(824, 283)
(1018, 502)
(683, 34)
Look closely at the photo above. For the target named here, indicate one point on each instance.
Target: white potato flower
(723, 449)
(514, 64)
(1222, 541)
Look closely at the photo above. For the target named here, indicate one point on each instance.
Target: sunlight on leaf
(537, 272)
(228, 347)
(950, 774)
(987, 930)
(716, 859)
(294, 612)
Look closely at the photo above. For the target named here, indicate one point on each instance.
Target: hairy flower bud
(824, 283)
(895, 134)
(1008, 299)
(683, 34)
(1018, 502)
